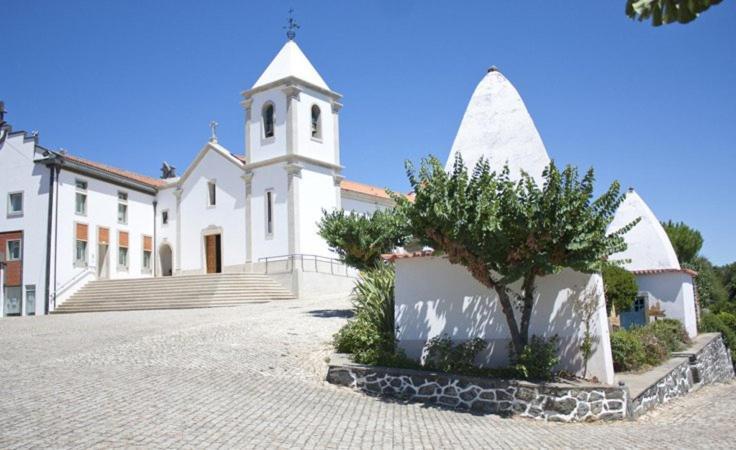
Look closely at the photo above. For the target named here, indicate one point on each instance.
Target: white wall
(317, 191)
(166, 234)
(322, 149)
(102, 210)
(359, 205)
(227, 217)
(676, 296)
(18, 172)
(273, 178)
(435, 297)
(262, 148)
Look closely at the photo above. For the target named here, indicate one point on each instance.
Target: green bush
(369, 336)
(655, 351)
(444, 355)
(620, 288)
(538, 359)
(715, 323)
(671, 333)
(628, 351)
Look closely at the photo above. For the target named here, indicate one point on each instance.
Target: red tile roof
(391, 257)
(150, 181)
(690, 272)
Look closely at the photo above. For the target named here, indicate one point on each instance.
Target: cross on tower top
(291, 26)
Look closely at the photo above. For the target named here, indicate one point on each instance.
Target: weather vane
(292, 26)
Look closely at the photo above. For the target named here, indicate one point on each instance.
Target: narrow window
(211, 193)
(122, 250)
(15, 204)
(80, 245)
(31, 300)
(80, 202)
(316, 122)
(13, 250)
(165, 217)
(122, 208)
(269, 213)
(268, 120)
(147, 251)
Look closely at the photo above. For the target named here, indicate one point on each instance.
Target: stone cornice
(293, 159)
(290, 81)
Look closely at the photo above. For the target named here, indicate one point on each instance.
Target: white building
(225, 213)
(663, 284)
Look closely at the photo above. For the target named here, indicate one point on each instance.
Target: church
(69, 221)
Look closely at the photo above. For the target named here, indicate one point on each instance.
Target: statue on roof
(167, 171)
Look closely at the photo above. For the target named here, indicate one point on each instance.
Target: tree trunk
(527, 306)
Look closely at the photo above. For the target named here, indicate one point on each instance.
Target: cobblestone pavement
(252, 376)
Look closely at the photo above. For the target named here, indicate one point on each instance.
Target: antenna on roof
(291, 26)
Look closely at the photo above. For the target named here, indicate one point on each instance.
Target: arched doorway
(164, 254)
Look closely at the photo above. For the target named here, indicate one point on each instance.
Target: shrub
(444, 355)
(715, 323)
(538, 359)
(620, 288)
(671, 333)
(628, 351)
(369, 336)
(655, 351)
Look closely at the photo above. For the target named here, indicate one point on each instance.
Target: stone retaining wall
(546, 401)
(709, 364)
(553, 401)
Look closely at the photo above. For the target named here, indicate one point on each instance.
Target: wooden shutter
(147, 244)
(81, 232)
(123, 239)
(103, 236)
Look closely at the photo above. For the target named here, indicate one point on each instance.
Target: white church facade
(67, 220)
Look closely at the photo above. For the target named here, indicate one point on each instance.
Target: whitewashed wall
(360, 204)
(435, 297)
(676, 295)
(317, 192)
(226, 217)
(18, 172)
(262, 148)
(269, 178)
(102, 210)
(166, 234)
(322, 149)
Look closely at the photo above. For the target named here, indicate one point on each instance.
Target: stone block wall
(553, 401)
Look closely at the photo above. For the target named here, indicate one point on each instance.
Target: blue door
(636, 316)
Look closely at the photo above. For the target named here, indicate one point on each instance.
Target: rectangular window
(122, 208)
(30, 299)
(147, 251)
(15, 204)
(12, 300)
(165, 217)
(13, 250)
(211, 193)
(80, 203)
(80, 245)
(269, 213)
(122, 250)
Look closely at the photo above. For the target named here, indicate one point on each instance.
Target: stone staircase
(179, 292)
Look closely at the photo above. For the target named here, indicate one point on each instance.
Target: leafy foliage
(444, 355)
(711, 292)
(360, 240)
(727, 274)
(724, 323)
(369, 336)
(686, 241)
(620, 288)
(649, 345)
(539, 358)
(505, 231)
(667, 11)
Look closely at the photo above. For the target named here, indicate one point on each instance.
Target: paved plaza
(252, 376)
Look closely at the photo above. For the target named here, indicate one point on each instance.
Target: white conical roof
(648, 244)
(497, 126)
(291, 62)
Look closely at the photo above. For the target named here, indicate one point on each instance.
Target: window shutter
(81, 232)
(123, 239)
(103, 236)
(147, 243)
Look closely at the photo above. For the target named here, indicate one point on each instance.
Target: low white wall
(434, 297)
(676, 296)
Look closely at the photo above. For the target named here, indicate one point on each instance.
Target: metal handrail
(74, 280)
(301, 257)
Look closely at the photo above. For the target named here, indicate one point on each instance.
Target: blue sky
(134, 83)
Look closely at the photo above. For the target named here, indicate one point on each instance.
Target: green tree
(620, 287)
(667, 11)
(727, 274)
(686, 241)
(711, 292)
(360, 240)
(503, 231)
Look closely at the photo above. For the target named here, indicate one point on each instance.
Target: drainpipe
(153, 244)
(49, 219)
(56, 230)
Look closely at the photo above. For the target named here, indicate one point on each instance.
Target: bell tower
(292, 143)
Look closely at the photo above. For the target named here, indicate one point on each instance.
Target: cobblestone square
(252, 377)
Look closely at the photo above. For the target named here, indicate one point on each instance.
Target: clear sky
(132, 83)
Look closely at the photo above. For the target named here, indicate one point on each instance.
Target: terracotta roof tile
(367, 189)
(690, 272)
(150, 181)
(391, 257)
